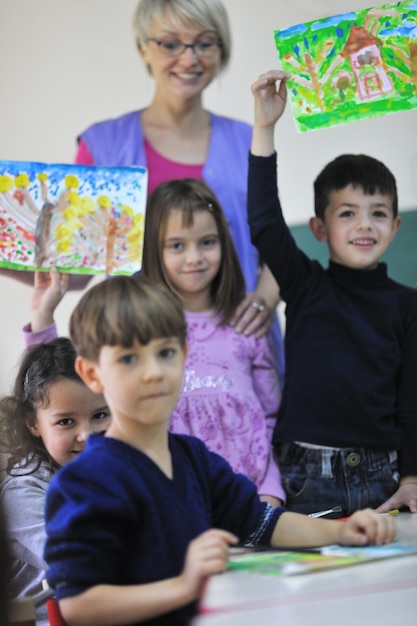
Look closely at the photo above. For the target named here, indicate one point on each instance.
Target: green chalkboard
(401, 256)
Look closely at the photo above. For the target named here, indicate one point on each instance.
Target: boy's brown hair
(124, 309)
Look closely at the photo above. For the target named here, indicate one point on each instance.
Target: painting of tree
(80, 219)
(351, 66)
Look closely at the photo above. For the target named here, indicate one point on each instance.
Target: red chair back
(54, 614)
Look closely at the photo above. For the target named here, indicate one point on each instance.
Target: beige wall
(66, 64)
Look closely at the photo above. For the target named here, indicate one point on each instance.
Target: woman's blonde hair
(208, 14)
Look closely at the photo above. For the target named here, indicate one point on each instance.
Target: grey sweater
(23, 501)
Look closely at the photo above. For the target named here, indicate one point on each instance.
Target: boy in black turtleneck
(346, 433)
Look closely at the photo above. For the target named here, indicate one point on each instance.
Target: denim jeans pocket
(299, 473)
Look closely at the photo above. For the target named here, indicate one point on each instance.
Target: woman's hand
(253, 316)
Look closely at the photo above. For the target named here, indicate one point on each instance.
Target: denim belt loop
(326, 463)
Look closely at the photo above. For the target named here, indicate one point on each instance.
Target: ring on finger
(258, 307)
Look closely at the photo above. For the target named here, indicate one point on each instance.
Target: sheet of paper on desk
(80, 219)
(287, 563)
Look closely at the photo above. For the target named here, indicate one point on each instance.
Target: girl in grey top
(44, 424)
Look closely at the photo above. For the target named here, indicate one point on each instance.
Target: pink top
(159, 167)
(230, 399)
(83, 156)
(31, 338)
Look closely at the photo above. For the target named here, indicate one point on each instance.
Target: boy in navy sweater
(139, 521)
(346, 433)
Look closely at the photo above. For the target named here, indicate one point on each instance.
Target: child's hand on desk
(406, 495)
(367, 527)
(206, 555)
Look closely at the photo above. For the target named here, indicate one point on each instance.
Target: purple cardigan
(120, 142)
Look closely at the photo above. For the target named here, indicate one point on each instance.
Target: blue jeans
(353, 478)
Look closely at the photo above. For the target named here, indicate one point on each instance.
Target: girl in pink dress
(230, 393)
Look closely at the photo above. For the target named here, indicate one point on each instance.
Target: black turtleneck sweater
(350, 343)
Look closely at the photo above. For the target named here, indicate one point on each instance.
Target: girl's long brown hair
(190, 195)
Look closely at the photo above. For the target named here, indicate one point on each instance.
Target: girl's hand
(252, 316)
(49, 289)
(206, 555)
(367, 527)
(270, 98)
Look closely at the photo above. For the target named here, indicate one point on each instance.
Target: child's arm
(111, 605)
(267, 390)
(269, 106)
(270, 102)
(290, 267)
(48, 291)
(406, 495)
(363, 527)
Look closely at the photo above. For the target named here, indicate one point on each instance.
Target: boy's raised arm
(270, 97)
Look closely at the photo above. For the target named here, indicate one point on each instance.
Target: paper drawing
(78, 218)
(352, 66)
(289, 563)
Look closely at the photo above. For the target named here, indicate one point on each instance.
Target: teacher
(185, 44)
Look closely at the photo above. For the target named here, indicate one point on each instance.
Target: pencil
(335, 509)
(391, 512)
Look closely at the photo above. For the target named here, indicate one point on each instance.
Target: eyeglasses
(204, 47)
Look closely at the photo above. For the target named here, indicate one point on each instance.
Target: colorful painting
(80, 219)
(352, 66)
(288, 563)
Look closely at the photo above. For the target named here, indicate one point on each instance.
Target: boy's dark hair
(190, 195)
(358, 170)
(41, 367)
(122, 310)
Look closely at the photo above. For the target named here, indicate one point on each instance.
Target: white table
(380, 592)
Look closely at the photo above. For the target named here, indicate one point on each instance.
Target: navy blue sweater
(351, 340)
(113, 517)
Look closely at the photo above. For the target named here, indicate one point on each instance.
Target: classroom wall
(68, 64)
